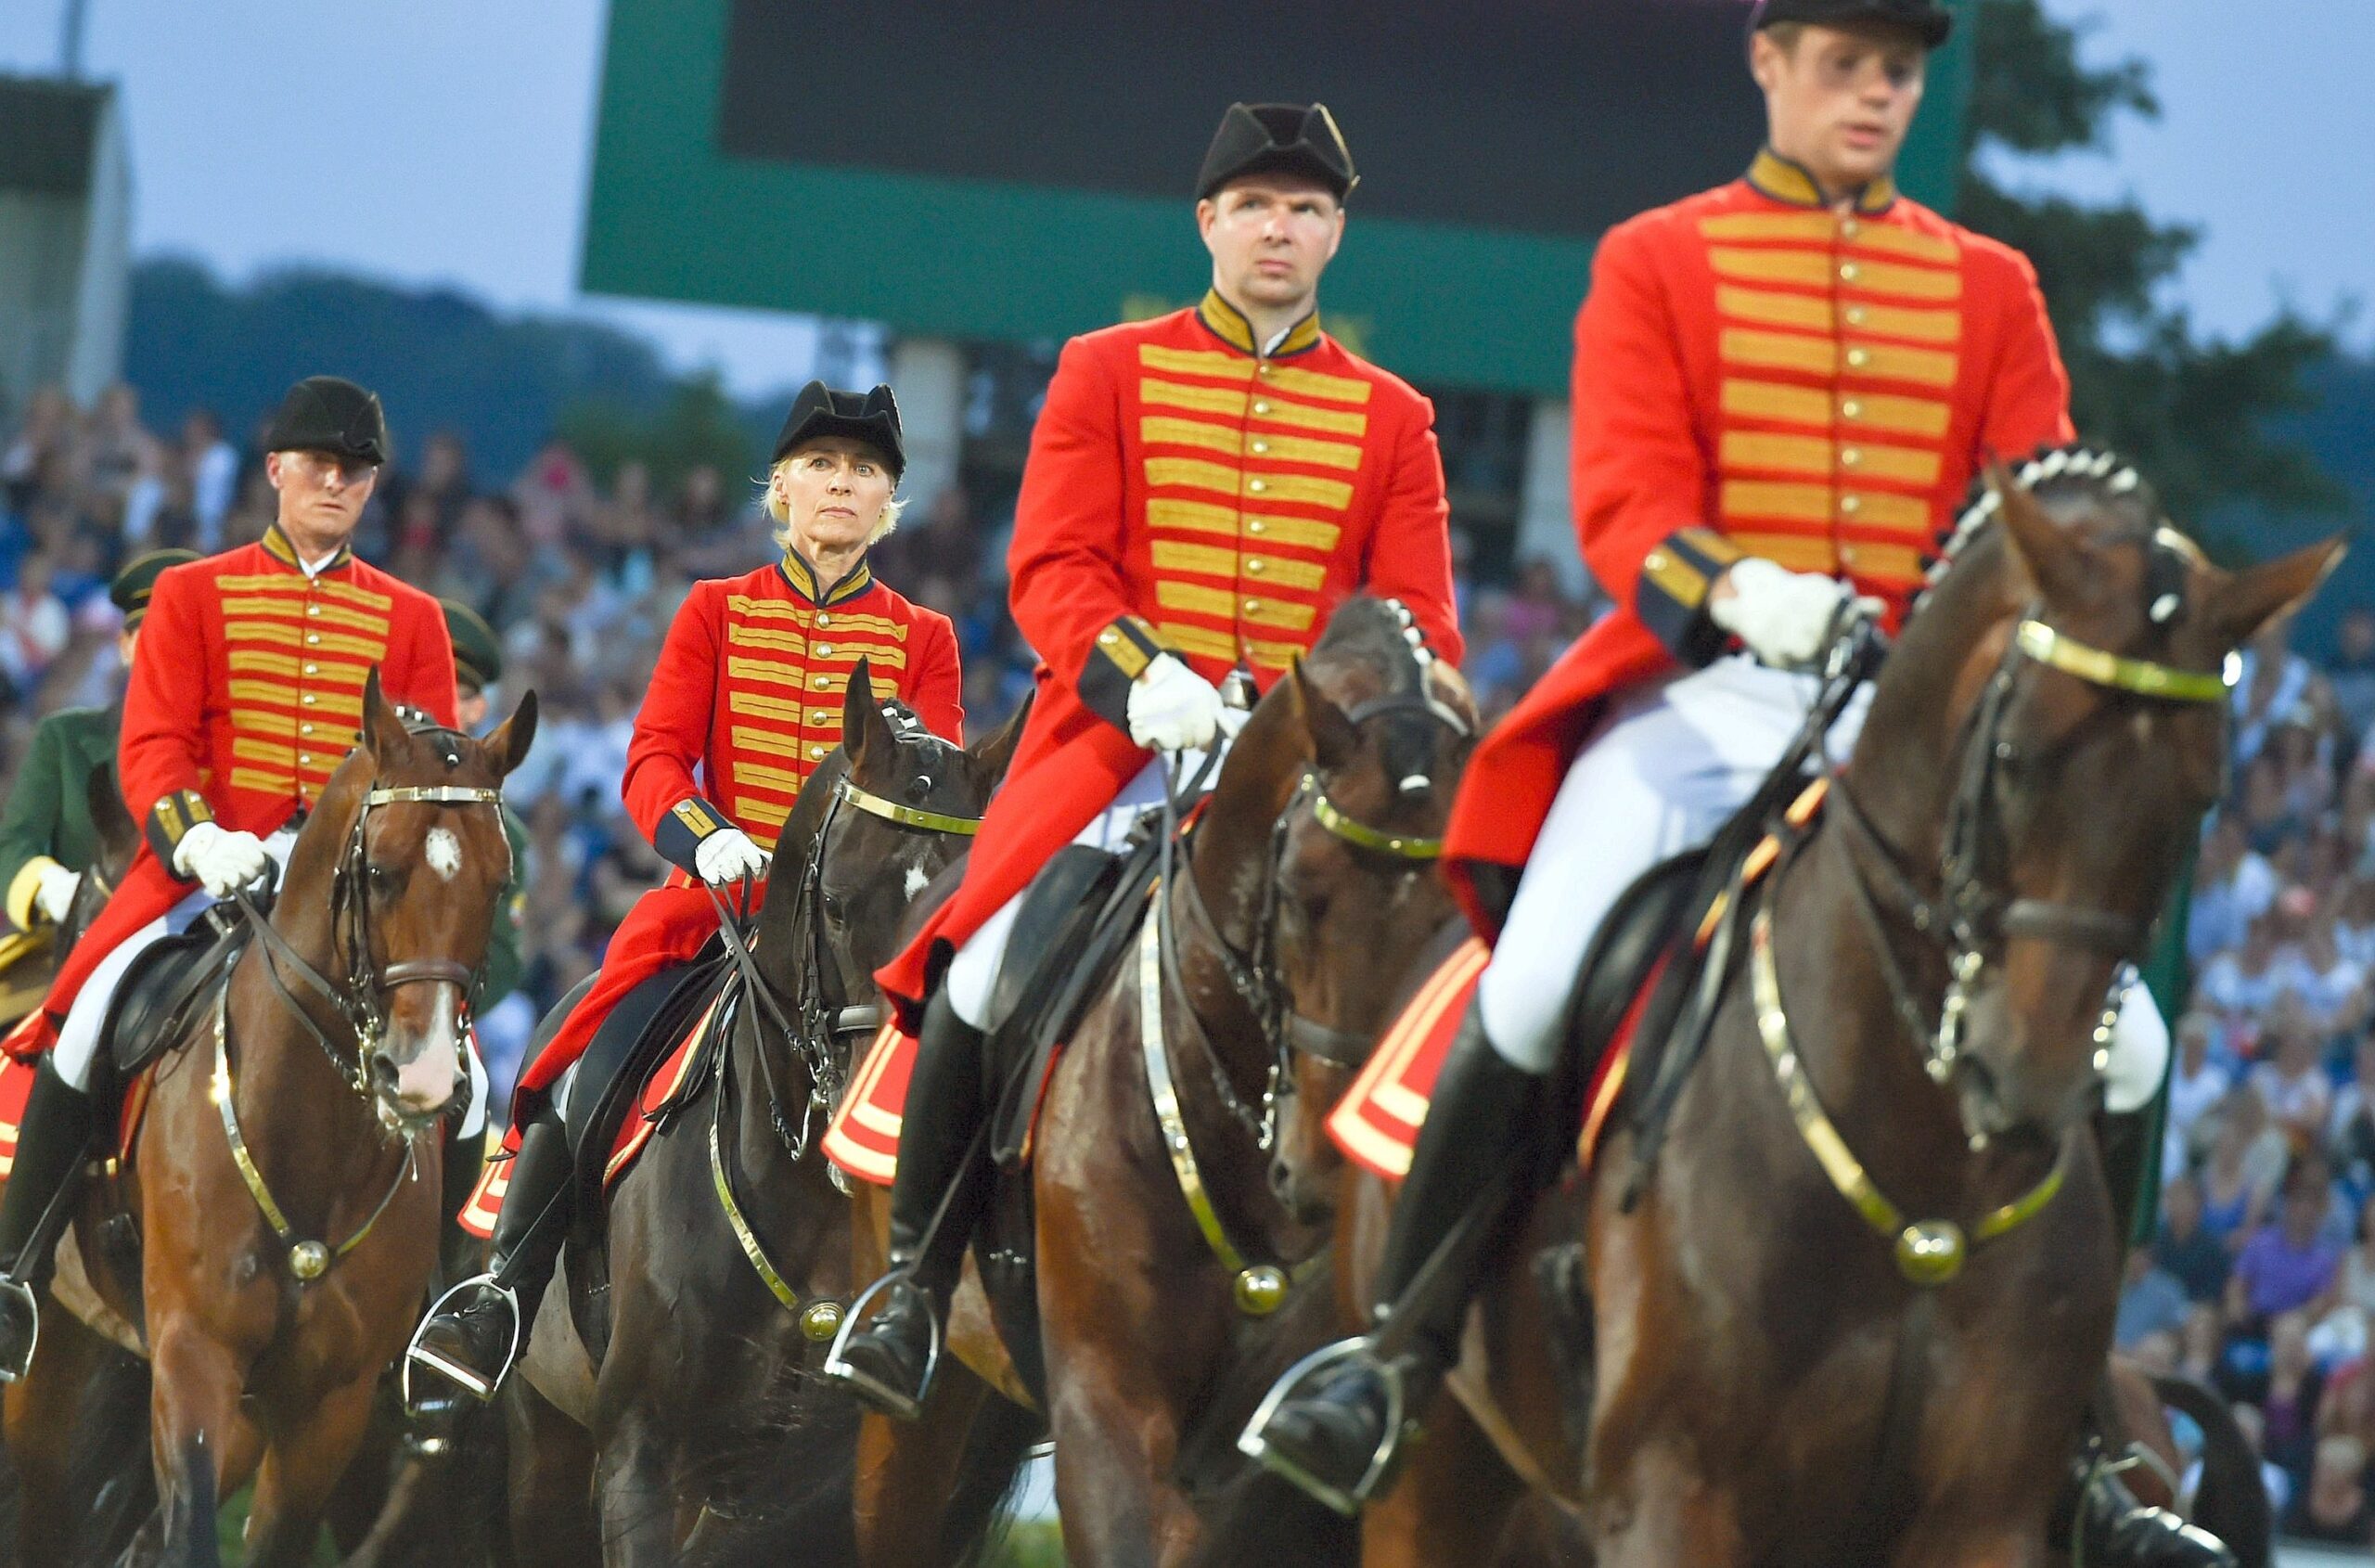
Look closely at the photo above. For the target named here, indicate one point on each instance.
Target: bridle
(1258, 1288)
(816, 1025)
(1968, 919)
(358, 1001)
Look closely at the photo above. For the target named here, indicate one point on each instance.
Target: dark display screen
(1557, 117)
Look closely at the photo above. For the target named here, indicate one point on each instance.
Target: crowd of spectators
(579, 575)
(2261, 1279)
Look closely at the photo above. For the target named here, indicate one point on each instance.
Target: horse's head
(893, 807)
(2051, 728)
(407, 855)
(1348, 766)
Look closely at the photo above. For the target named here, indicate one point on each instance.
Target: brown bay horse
(1763, 1379)
(1307, 880)
(283, 1184)
(703, 1377)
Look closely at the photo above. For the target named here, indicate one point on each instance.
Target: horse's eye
(833, 911)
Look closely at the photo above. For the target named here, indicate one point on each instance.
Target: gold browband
(906, 816)
(432, 794)
(2047, 645)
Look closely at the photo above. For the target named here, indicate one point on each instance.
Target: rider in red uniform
(744, 702)
(1203, 488)
(246, 693)
(1783, 388)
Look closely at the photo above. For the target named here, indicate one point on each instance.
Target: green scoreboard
(1021, 170)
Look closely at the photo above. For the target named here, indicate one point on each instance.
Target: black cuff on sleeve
(1671, 600)
(1123, 650)
(681, 831)
(173, 817)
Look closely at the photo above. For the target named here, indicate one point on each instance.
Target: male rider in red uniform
(245, 696)
(1203, 488)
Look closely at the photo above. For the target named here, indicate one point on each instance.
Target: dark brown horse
(1307, 876)
(1768, 1381)
(703, 1375)
(282, 1184)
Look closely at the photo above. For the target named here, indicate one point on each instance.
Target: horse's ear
(862, 726)
(1334, 740)
(508, 743)
(383, 727)
(119, 835)
(2253, 596)
(990, 754)
(2047, 554)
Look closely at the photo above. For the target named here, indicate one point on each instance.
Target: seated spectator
(2334, 1506)
(2152, 1302)
(2239, 1180)
(2287, 1266)
(2197, 1080)
(2197, 1260)
(2329, 987)
(2353, 672)
(2289, 1407)
(2242, 983)
(2232, 887)
(2292, 1082)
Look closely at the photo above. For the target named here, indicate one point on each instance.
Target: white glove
(223, 861)
(1173, 707)
(728, 855)
(1783, 616)
(55, 893)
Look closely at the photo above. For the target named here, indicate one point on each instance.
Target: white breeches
(973, 973)
(77, 1037)
(1668, 766)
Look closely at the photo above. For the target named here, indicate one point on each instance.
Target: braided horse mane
(2080, 469)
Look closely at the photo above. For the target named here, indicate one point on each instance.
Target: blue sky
(449, 141)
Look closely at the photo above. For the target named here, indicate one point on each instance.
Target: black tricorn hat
(872, 418)
(1931, 20)
(1257, 137)
(329, 414)
(136, 579)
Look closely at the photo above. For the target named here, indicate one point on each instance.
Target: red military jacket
(1188, 493)
(748, 691)
(1756, 374)
(248, 692)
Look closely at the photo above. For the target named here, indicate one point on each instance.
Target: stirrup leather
(1255, 1441)
(468, 1377)
(837, 1367)
(18, 1291)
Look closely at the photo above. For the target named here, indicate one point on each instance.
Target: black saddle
(643, 1027)
(165, 989)
(1077, 917)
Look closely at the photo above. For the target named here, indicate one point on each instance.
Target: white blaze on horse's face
(443, 851)
(429, 1076)
(917, 882)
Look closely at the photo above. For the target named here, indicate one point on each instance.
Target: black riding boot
(1476, 1148)
(2115, 1530)
(888, 1359)
(53, 1146)
(476, 1333)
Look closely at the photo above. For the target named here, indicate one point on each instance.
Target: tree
(2194, 413)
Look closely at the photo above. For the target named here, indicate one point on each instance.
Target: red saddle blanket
(659, 1087)
(1377, 1122)
(863, 1139)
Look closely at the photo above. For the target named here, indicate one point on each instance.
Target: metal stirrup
(836, 1365)
(18, 1289)
(467, 1378)
(1255, 1441)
